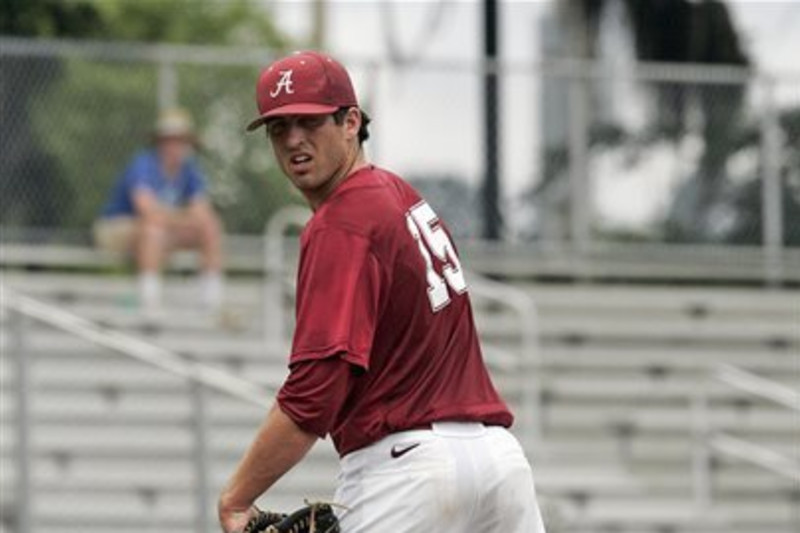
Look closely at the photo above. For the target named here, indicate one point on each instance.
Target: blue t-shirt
(144, 172)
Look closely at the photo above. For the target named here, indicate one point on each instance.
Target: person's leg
(145, 241)
(151, 248)
(405, 483)
(455, 478)
(116, 235)
(201, 230)
(211, 278)
(211, 242)
(508, 503)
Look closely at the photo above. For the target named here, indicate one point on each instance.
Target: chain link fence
(654, 153)
(673, 154)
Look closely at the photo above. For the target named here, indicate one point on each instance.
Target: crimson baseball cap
(304, 83)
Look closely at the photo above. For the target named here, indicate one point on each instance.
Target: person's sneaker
(212, 289)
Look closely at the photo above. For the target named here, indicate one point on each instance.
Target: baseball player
(385, 357)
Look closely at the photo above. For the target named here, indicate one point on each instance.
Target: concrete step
(674, 385)
(184, 343)
(667, 419)
(600, 329)
(647, 511)
(696, 300)
(593, 447)
(121, 290)
(657, 358)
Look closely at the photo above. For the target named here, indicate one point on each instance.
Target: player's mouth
(300, 162)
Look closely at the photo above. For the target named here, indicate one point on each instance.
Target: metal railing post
(771, 191)
(201, 456)
(579, 205)
(24, 503)
(274, 265)
(708, 443)
(167, 85)
(701, 453)
(532, 363)
(23, 309)
(529, 363)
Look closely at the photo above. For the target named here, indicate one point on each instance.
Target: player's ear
(352, 121)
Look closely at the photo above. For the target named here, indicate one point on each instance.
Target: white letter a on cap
(284, 83)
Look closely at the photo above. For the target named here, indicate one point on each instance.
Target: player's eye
(311, 122)
(277, 128)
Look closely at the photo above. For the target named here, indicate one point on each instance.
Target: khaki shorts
(115, 234)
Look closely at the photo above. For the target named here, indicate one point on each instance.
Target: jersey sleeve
(338, 290)
(314, 392)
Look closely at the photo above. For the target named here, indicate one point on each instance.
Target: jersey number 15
(433, 241)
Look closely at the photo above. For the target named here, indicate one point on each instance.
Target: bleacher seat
(618, 365)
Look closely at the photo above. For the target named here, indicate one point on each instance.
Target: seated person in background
(159, 204)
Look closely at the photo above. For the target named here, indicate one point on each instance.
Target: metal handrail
(529, 363)
(275, 266)
(757, 386)
(137, 348)
(776, 462)
(197, 374)
(708, 443)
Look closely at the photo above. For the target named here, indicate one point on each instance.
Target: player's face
(314, 151)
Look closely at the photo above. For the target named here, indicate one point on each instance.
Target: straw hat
(175, 122)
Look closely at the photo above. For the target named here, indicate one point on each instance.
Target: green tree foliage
(90, 116)
(33, 190)
(746, 198)
(91, 120)
(676, 31)
(231, 22)
(49, 18)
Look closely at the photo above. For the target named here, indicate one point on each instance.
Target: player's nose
(296, 135)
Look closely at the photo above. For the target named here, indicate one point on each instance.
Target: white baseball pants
(454, 478)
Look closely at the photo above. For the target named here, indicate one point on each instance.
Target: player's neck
(354, 164)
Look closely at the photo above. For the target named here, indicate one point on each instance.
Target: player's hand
(235, 520)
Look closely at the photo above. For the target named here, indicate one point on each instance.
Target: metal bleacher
(617, 368)
(112, 439)
(621, 367)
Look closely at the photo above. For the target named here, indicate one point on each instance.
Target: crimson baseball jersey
(385, 339)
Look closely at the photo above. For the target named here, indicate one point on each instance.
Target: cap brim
(292, 109)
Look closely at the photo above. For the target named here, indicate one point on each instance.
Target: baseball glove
(311, 518)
